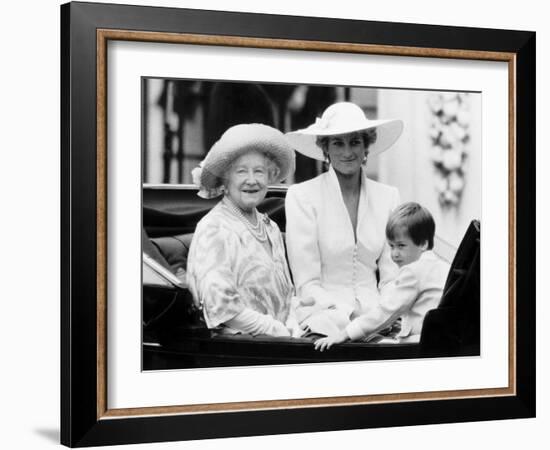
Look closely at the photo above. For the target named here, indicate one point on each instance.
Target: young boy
(417, 287)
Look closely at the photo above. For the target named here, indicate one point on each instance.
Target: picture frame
(86, 28)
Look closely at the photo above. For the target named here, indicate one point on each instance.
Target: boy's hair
(417, 221)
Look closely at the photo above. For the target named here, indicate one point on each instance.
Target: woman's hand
(327, 342)
(294, 328)
(279, 329)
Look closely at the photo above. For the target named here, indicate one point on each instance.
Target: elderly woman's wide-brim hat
(237, 141)
(344, 118)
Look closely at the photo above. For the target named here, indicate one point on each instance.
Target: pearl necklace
(259, 230)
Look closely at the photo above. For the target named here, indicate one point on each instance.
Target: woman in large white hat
(237, 270)
(336, 222)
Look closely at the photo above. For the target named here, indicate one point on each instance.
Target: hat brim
(240, 140)
(304, 141)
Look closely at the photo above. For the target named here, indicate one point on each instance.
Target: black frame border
(79, 423)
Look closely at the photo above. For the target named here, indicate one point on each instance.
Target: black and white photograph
(275, 225)
(300, 223)
(283, 224)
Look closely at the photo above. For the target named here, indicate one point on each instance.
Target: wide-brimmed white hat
(343, 118)
(237, 141)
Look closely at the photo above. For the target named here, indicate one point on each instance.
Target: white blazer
(326, 262)
(416, 290)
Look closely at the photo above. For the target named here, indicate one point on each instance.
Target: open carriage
(174, 334)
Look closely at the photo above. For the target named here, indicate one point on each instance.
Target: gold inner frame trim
(305, 403)
(103, 36)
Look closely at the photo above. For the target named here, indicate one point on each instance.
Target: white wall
(408, 164)
(30, 217)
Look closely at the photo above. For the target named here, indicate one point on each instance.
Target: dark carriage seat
(455, 324)
(177, 218)
(174, 250)
(169, 244)
(163, 309)
(171, 251)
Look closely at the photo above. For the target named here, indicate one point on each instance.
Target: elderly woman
(237, 270)
(336, 222)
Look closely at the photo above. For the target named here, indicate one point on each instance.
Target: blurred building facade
(436, 162)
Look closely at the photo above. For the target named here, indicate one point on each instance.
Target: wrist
(353, 331)
(344, 336)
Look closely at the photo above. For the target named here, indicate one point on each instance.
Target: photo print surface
(296, 224)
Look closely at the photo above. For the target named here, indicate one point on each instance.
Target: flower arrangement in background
(449, 132)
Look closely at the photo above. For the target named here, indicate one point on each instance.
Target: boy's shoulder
(429, 264)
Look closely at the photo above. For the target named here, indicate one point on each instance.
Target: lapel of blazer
(338, 201)
(363, 201)
(341, 209)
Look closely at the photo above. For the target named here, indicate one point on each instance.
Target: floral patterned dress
(229, 270)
